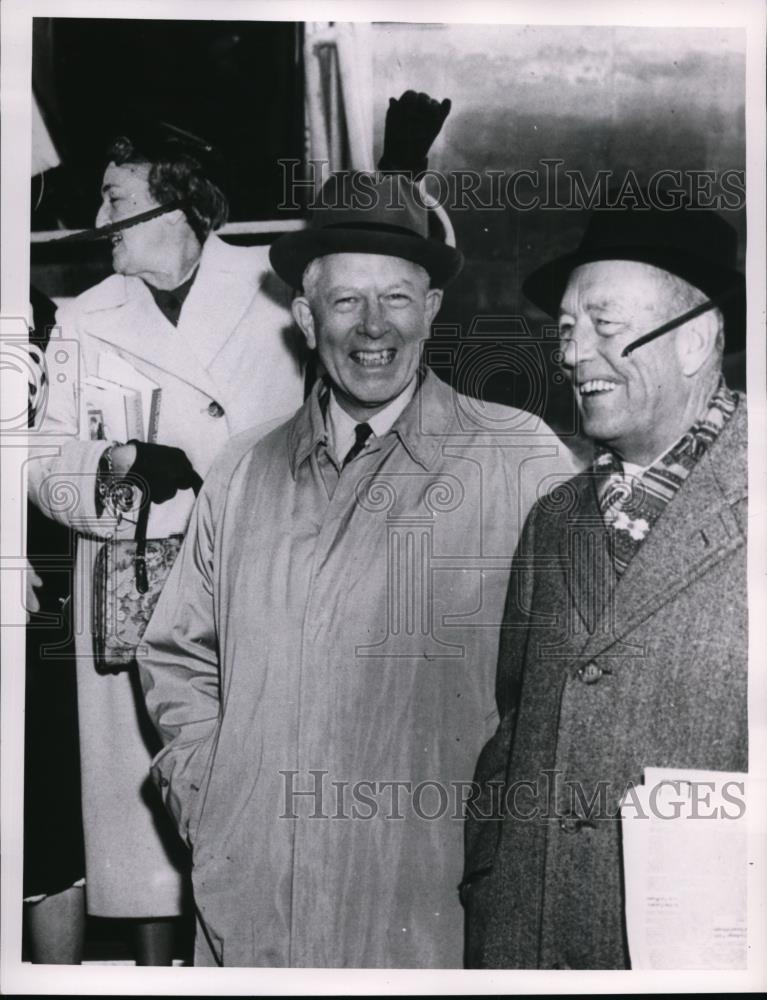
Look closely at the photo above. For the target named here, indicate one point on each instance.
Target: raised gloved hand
(163, 469)
(412, 124)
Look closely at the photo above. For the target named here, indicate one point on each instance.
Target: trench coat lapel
(697, 530)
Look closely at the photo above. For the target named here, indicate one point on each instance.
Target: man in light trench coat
(320, 664)
(624, 644)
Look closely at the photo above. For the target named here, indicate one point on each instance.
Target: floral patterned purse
(128, 578)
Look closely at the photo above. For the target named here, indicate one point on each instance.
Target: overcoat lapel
(126, 308)
(218, 299)
(698, 529)
(585, 555)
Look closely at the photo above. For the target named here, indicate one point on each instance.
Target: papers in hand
(685, 865)
(120, 402)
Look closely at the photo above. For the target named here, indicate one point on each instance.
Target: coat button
(215, 409)
(569, 824)
(591, 673)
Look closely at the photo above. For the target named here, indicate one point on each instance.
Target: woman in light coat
(208, 323)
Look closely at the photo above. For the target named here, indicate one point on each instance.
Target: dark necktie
(361, 433)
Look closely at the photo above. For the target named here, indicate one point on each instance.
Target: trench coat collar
(698, 529)
(422, 426)
(427, 420)
(308, 429)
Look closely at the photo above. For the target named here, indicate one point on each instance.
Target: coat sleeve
(179, 668)
(61, 473)
(482, 820)
(528, 483)
(485, 810)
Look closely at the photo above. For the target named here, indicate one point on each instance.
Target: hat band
(375, 227)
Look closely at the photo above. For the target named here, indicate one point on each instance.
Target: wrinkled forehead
(343, 268)
(619, 283)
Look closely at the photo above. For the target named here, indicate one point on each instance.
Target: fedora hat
(359, 212)
(694, 244)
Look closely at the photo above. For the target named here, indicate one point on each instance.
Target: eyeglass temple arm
(103, 232)
(672, 324)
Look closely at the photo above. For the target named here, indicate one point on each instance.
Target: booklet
(685, 865)
(114, 412)
(117, 370)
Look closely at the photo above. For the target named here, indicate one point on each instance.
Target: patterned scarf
(630, 506)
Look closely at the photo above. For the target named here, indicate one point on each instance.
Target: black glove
(163, 471)
(412, 124)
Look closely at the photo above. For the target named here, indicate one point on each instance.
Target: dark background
(236, 84)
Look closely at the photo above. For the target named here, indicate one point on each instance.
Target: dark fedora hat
(359, 212)
(695, 244)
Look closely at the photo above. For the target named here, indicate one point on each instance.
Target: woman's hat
(358, 212)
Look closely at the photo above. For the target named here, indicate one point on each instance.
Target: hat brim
(546, 285)
(291, 253)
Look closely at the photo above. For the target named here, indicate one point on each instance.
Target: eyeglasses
(672, 324)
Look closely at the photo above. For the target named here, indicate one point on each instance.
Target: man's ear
(174, 217)
(696, 342)
(433, 303)
(302, 314)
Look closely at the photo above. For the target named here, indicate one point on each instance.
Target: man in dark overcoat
(624, 643)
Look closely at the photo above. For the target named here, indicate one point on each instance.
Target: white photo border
(15, 95)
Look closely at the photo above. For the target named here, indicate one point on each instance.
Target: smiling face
(142, 250)
(641, 404)
(368, 316)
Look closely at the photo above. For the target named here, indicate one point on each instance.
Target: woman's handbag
(128, 578)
